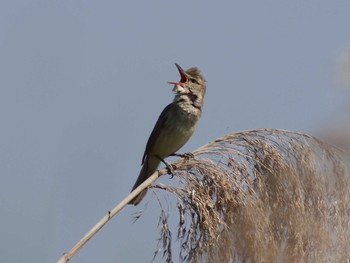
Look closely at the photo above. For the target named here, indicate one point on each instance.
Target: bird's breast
(176, 131)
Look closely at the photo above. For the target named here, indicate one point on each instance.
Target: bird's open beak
(183, 79)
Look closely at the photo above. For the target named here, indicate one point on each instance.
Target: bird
(175, 124)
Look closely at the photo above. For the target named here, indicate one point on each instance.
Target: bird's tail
(149, 167)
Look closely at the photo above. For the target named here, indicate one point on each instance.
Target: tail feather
(149, 167)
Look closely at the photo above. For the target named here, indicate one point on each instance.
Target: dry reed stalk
(260, 196)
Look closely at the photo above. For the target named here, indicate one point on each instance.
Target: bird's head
(191, 84)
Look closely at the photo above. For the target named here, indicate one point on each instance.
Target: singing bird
(175, 124)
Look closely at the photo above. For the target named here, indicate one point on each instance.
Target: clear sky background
(83, 82)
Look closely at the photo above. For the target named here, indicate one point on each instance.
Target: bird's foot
(187, 155)
(171, 169)
(169, 166)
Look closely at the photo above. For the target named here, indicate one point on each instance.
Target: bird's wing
(157, 128)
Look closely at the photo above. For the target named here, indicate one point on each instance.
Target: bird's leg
(187, 155)
(170, 167)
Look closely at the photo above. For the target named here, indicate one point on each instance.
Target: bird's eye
(193, 80)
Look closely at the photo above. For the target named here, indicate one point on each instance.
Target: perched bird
(175, 124)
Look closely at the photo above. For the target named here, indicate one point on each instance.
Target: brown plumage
(175, 124)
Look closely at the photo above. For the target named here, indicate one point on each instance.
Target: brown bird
(175, 124)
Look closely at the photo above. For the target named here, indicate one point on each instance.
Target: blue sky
(82, 84)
